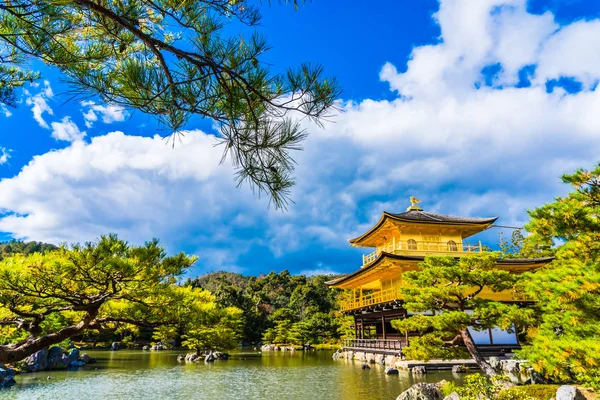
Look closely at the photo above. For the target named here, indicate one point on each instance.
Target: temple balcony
(422, 248)
(371, 299)
(376, 298)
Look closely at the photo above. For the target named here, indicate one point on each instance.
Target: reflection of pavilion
(401, 242)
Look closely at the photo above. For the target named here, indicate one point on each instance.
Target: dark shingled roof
(414, 215)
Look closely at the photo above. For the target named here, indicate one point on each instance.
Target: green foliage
(174, 60)
(565, 345)
(432, 347)
(479, 387)
(105, 286)
(304, 306)
(19, 247)
(12, 77)
(529, 392)
(165, 333)
(215, 329)
(448, 288)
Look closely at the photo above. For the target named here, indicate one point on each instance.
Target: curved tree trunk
(472, 349)
(18, 351)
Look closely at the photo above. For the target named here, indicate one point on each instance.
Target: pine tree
(448, 288)
(566, 343)
(174, 60)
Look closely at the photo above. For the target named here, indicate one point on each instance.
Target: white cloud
(461, 149)
(39, 105)
(459, 145)
(4, 155)
(66, 130)
(136, 186)
(109, 113)
(4, 110)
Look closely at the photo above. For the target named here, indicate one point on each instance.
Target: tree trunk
(16, 352)
(472, 349)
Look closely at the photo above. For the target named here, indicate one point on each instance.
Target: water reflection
(157, 375)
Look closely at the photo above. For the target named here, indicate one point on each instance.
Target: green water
(132, 374)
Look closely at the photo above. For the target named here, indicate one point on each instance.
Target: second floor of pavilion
(420, 233)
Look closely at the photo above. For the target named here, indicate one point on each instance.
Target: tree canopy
(47, 298)
(565, 345)
(279, 307)
(174, 60)
(448, 288)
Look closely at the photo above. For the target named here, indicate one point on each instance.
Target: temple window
(452, 246)
(412, 244)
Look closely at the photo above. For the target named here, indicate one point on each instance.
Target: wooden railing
(374, 344)
(377, 297)
(421, 247)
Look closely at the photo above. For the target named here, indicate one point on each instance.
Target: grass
(536, 392)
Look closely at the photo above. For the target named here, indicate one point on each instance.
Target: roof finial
(413, 204)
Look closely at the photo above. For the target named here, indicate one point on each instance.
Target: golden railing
(376, 297)
(417, 247)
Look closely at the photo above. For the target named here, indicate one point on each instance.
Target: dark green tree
(449, 288)
(566, 343)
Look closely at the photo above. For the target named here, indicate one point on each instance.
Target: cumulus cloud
(136, 186)
(39, 104)
(109, 113)
(463, 142)
(66, 130)
(464, 138)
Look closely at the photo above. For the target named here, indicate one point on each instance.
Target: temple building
(401, 242)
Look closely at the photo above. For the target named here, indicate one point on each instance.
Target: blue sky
(477, 108)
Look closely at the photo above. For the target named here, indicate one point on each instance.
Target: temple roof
(470, 224)
(502, 262)
(420, 215)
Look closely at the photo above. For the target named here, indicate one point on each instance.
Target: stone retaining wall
(370, 358)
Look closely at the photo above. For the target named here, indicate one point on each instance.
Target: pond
(134, 374)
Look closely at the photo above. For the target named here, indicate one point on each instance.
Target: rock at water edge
(56, 358)
(74, 355)
(568, 392)
(459, 369)
(38, 361)
(419, 370)
(423, 391)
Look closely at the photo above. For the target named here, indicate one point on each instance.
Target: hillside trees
(174, 60)
(47, 298)
(280, 307)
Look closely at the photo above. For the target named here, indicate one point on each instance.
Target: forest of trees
(280, 307)
(20, 247)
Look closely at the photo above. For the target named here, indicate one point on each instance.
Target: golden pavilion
(401, 241)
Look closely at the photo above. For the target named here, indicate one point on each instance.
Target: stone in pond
(391, 371)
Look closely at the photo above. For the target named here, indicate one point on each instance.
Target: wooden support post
(355, 328)
(383, 326)
(362, 328)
